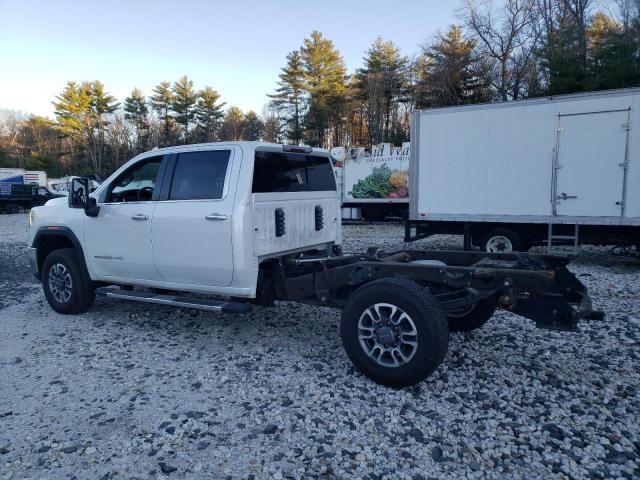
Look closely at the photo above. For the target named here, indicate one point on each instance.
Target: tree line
(499, 51)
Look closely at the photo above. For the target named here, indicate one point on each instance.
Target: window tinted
(292, 172)
(199, 175)
(137, 183)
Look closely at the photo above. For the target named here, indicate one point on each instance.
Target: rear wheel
(64, 284)
(501, 240)
(394, 332)
(472, 317)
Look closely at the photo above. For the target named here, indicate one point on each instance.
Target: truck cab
(199, 218)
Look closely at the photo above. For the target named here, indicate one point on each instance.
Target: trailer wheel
(63, 282)
(471, 318)
(394, 332)
(501, 240)
(12, 208)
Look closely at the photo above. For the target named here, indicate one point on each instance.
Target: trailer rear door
(590, 164)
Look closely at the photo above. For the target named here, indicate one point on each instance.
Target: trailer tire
(64, 284)
(12, 208)
(501, 240)
(474, 318)
(402, 307)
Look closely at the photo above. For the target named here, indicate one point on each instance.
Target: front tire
(64, 283)
(394, 332)
(471, 318)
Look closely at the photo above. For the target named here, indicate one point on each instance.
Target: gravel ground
(136, 391)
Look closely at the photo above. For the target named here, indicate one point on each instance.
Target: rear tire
(501, 240)
(473, 318)
(64, 283)
(394, 332)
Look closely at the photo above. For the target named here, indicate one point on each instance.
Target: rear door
(591, 159)
(192, 221)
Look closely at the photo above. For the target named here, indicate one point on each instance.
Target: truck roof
(251, 145)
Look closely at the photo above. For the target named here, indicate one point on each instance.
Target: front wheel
(394, 332)
(64, 284)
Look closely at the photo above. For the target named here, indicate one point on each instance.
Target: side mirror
(79, 197)
(78, 192)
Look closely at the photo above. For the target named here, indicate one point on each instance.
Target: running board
(174, 300)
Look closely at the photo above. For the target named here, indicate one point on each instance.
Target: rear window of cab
(292, 172)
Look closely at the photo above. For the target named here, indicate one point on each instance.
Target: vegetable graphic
(382, 183)
(376, 185)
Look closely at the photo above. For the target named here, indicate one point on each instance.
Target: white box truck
(36, 177)
(547, 171)
(373, 182)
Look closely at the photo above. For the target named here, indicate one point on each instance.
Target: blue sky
(237, 47)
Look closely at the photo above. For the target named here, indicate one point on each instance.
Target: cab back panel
(298, 215)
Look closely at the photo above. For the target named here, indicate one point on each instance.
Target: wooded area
(501, 51)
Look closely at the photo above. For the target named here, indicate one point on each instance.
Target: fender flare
(66, 232)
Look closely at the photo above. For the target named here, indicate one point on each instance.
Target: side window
(200, 175)
(292, 172)
(137, 183)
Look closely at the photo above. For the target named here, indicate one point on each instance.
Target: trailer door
(591, 163)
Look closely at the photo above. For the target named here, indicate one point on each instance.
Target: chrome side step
(174, 300)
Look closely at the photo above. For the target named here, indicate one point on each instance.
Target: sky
(237, 47)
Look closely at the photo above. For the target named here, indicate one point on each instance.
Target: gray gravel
(135, 391)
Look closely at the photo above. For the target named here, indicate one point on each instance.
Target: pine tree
(252, 126)
(161, 102)
(381, 83)
(449, 72)
(83, 113)
(272, 131)
(136, 111)
(325, 75)
(232, 125)
(184, 101)
(208, 113)
(290, 96)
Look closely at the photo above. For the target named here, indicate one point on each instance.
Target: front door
(591, 160)
(118, 240)
(192, 224)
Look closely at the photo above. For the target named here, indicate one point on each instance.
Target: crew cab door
(118, 241)
(192, 222)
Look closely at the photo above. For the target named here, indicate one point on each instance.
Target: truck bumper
(33, 261)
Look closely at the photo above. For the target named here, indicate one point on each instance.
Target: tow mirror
(78, 192)
(79, 197)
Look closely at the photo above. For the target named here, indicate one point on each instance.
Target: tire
(12, 208)
(64, 283)
(473, 318)
(413, 363)
(501, 240)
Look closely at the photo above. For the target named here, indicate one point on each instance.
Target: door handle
(564, 196)
(140, 217)
(216, 217)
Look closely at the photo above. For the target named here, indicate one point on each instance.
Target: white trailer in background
(548, 171)
(373, 182)
(11, 175)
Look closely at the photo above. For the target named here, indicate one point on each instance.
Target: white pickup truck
(222, 226)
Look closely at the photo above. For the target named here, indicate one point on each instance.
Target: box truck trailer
(550, 171)
(373, 182)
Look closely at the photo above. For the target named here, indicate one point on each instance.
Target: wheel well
(48, 243)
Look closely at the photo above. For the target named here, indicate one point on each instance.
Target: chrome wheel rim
(387, 335)
(60, 283)
(499, 244)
